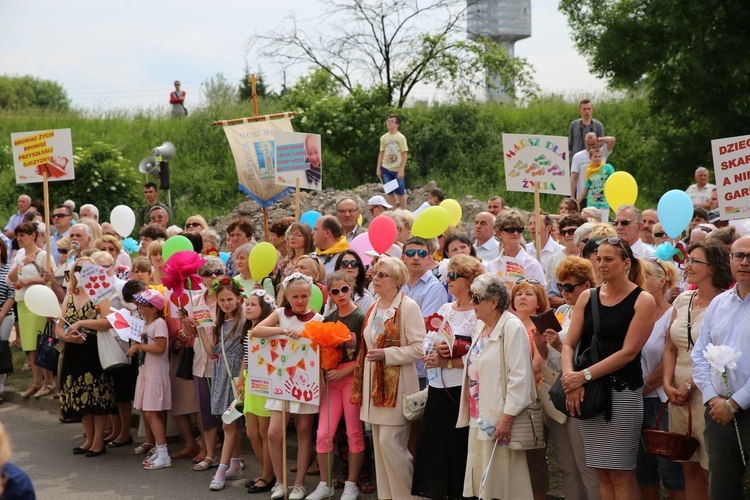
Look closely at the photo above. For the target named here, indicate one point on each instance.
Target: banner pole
(47, 243)
(266, 231)
(296, 199)
(537, 222)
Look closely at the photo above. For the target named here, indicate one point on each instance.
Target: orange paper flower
(328, 336)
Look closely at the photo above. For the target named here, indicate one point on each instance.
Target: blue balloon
(310, 217)
(675, 210)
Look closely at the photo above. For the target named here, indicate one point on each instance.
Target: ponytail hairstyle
(226, 283)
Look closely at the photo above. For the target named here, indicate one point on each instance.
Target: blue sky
(127, 53)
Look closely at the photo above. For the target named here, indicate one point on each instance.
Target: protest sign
(732, 171)
(127, 326)
(511, 270)
(284, 368)
(298, 158)
(536, 160)
(97, 284)
(35, 153)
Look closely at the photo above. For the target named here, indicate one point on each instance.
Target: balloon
(454, 210)
(175, 244)
(122, 219)
(361, 244)
(359, 220)
(431, 223)
(42, 301)
(621, 189)
(316, 299)
(262, 260)
(675, 211)
(382, 233)
(310, 217)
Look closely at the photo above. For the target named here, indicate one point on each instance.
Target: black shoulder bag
(596, 397)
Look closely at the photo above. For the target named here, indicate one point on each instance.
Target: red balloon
(382, 233)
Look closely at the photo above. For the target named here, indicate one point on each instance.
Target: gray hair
(493, 287)
(592, 213)
(92, 208)
(211, 262)
(244, 248)
(701, 169)
(213, 235)
(582, 232)
(356, 199)
(637, 214)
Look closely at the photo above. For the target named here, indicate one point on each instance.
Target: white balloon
(42, 301)
(122, 219)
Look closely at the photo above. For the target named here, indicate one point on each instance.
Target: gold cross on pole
(253, 80)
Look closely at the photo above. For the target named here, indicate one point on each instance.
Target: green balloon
(316, 299)
(175, 244)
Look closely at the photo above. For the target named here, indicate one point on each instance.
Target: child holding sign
(290, 321)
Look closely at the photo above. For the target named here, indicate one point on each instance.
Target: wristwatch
(587, 374)
(450, 364)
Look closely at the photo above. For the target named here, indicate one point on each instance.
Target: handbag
(185, 366)
(549, 376)
(46, 354)
(527, 432)
(6, 357)
(461, 346)
(111, 356)
(413, 404)
(596, 397)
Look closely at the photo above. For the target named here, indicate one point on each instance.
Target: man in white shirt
(509, 226)
(486, 245)
(549, 246)
(581, 160)
(700, 192)
(629, 223)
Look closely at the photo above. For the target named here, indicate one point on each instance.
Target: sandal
(143, 448)
(205, 464)
(44, 391)
(314, 469)
(339, 483)
(261, 486)
(158, 463)
(200, 457)
(367, 487)
(30, 392)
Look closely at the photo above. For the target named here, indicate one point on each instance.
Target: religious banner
(252, 144)
(532, 160)
(35, 153)
(732, 172)
(284, 368)
(298, 158)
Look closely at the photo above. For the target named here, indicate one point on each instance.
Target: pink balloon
(361, 244)
(382, 233)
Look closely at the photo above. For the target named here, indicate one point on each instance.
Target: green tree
(692, 57)
(218, 91)
(20, 92)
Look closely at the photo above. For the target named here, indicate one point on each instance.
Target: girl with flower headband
(228, 351)
(312, 269)
(260, 305)
(290, 321)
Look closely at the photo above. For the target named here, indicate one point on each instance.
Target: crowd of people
(437, 315)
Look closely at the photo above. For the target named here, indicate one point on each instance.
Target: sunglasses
(567, 287)
(192, 224)
(511, 230)
(412, 252)
(59, 216)
(348, 263)
(568, 231)
(476, 299)
(215, 272)
(381, 275)
(529, 281)
(623, 223)
(659, 235)
(453, 276)
(336, 291)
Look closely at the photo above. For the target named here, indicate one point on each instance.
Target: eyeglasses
(453, 276)
(690, 262)
(567, 287)
(192, 224)
(348, 263)
(623, 223)
(59, 216)
(336, 291)
(738, 257)
(511, 230)
(476, 299)
(412, 252)
(295, 235)
(527, 280)
(659, 235)
(215, 272)
(568, 231)
(381, 275)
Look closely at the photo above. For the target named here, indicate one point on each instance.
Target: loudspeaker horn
(149, 165)
(166, 151)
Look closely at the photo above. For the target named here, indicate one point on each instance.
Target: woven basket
(669, 444)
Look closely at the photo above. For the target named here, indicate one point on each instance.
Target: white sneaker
(277, 491)
(351, 492)
(298, 492)
(216, 484)
(321, 492)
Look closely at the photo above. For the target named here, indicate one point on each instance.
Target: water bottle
(486, 426)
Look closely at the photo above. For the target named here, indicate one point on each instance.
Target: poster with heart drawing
(96, 282)
(127, 326)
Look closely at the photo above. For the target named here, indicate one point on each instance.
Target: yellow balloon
(431, 222)
(359, 220)
(454, 210)
(620, 189)
(262, 260)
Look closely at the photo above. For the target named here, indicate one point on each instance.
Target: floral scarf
(384, 380)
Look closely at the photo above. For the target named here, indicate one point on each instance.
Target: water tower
(503, 21)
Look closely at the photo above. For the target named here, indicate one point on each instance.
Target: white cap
(378, 201)
(394, 251)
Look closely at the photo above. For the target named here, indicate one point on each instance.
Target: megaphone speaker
(166, 151)
(149, 165)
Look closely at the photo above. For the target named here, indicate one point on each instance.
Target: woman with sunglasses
(386, 372)
(440, 464)
(574, 275)
(350, 263)
(510, 225)
(335, 401)
(626, 317)
(707, 269)
(195, 224)
(568, 227)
